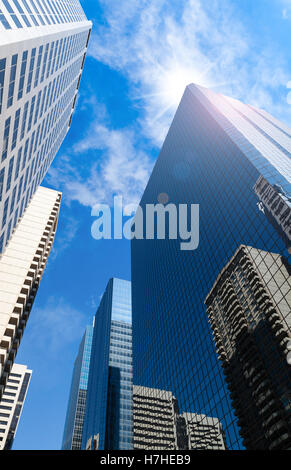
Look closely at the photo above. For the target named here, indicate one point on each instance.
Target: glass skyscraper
(72, 438)
(216, 154)
(108, 418)
(42, 53)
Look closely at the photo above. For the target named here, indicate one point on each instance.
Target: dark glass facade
(108, 419)
(214, 153)
(72, 437)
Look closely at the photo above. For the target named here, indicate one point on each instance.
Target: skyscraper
(108, 417)
(214, 153)
(12, 403)
(72, 438)
(21, 268)
(42, 51)
(249, 311)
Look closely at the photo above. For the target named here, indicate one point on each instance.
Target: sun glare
(175, 80)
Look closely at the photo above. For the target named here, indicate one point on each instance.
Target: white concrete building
(158, 424)
(21, 268)
(12, 403)
(154, 419)
(42, 50)
(203, 432)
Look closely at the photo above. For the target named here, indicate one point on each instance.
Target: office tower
(158, 424)
(214, 153)
(72, 438)
(42, 51)
(12, 403)
(154, 419)
(21, 268)
(249, 311)
(108, 417)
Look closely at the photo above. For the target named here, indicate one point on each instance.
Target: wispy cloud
(160, 46)
(55, 325)
(167, 46)
(286, 9)
(120, 167)
(65, 236)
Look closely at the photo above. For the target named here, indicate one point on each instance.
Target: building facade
(214, 153)
(72, 438)
(108, 417)
(42, 52)
(154, 419)
(276, 205)
(202, 432)
(159, 425)
(12, 403)
(21, 268)
(249, 311)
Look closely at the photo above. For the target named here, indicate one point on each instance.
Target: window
(24, 120)
(32, 16)
(13, 199)
(38, 66)
(31, 114)
(23, 15)
(22, 74)
(31, 65)
(44, 62)
(2, 173)
(10, 170)
(15, 129)
(18, 163)
(1, 249)
(12, 14)
(12, 80)
(4, 21)
(19, 189)
(25, 153)
(2, 77)
(6, 138)
(5, 211)
(36, 10)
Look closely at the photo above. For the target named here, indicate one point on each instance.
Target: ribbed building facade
(42, 52)
(72, 438)
(202, 432)
(276, 205)
(21, 268)
(154, 419)
(249, 311)
(159, 425)
(12, 403)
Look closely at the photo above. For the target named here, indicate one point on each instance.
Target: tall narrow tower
(72, 438)
(108, 419)
(21, 268)
(42, 52)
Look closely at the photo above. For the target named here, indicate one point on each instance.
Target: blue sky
(141, 55)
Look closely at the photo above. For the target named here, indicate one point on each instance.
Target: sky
(141, 55)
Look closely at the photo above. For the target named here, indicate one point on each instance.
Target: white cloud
(161, 50)
(64, 237)
(55, 325)
(160, 46)
(122, 169)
